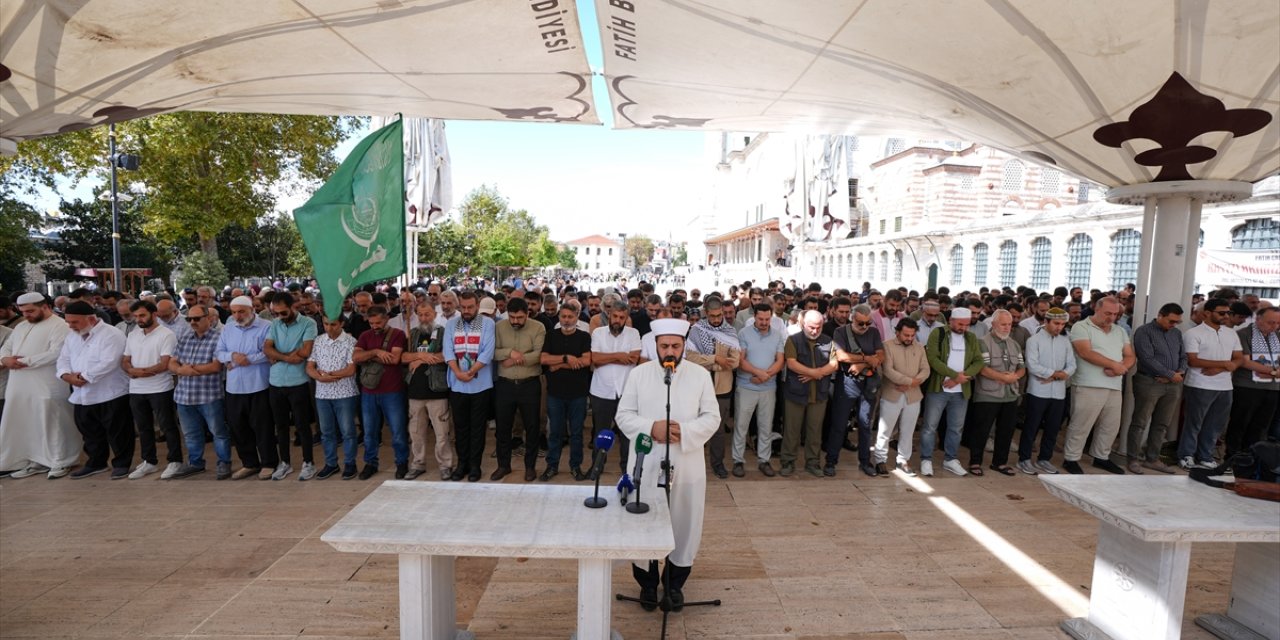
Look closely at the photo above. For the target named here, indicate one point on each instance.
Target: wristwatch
(564, 359)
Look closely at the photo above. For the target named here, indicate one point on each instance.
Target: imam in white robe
(39, 424)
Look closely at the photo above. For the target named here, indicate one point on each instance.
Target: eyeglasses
(862, 325)
(195, 318)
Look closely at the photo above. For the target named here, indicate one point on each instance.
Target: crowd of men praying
(94, 381)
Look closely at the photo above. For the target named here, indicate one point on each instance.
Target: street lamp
(118, 161)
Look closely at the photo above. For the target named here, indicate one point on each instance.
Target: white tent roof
(1029, 76)
(69, 64)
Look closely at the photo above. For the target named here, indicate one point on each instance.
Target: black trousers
(470, 418)
(106, 428)
(510, 396)
(292, 406)
(1251, 414)
(249, 419)
(149, 410)
(603, 411)
(1005, 417)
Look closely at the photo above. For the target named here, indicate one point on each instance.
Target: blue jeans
(338, 415)
(374, 408)
(194, 418)
(562, 412)
(935, 403)
(1205, 413)
(850, 399)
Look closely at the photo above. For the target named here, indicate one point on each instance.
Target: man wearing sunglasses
(1212, 353)
(198, 392)
(860, 352)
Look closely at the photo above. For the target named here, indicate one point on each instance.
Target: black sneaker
(1107, 465)
(349, 472)
(1072, 467)
(868, 469)
(328, 470)
(86, 471)
(458, 475)
(402, 469)
(474, 476)
(739, 470)
(829, 471)
(119, 473)
(578, 474)
(368, 471)
(548, 474)
(720, 471)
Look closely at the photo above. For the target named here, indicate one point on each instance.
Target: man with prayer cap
(695, 416)
(955, 358)
(90, 363)
(37, 431)
(248, 413)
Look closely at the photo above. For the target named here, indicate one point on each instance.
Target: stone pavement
(849, 557)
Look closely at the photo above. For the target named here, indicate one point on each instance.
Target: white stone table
(1144, 549)
(430, 523)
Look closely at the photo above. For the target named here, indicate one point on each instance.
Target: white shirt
(1030, 324)
(145, 350)
(955, 359)
(96, 357)
(334, 355)
(607, 380)
(1210, 345)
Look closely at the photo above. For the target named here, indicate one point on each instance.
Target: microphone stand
(664, 482)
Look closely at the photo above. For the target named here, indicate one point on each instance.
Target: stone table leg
(427, 604)
(1254, 611)
(1139, 589)
(595, 600)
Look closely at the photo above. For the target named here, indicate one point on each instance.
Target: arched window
(957, 264)
(1012, 176)
(1041, 250)
(1256, 234)
(1126, 244)
(860, 271)
(979, 264)
(1050, 181)
(1008, 263)
(871, 266)
(1079, 260)
(840, 266)
(884, 267)
(897, 266)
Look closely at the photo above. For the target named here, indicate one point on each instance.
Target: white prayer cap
(30, 298)
(961, 313)
(670, 327)
(242, 301)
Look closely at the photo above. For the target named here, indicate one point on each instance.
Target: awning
(71, 64)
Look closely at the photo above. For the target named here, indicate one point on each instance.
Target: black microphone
(668, 363)
(604, 442)
(644, 444)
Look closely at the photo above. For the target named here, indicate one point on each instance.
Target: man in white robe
(37, 431)
(695, 416)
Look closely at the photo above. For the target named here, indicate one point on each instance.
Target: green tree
(445, 243)
(640, 249)
(681, 257)
(17, 219)
(200, 268)
(568, 258)
(544, 252)
(201, 172)
(85, 240)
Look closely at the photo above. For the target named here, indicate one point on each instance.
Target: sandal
(1004, 468)
(975, 470)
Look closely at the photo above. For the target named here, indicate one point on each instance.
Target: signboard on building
(1239, 268)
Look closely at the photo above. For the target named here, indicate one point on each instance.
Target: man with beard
(838, 311)
(518, 350)
(930, 319)
(198, 393)
(356, 323)
(1035, 320)
(37, 433)
(995, 397)
(694, 418)
(615, 351)
(810, 361)
(905, 370)
(428, 398)
(860, 351)
(713, 344)
(1050, 363)
(955, 357)
(147, 351)
(90, 363)
(567, 358)
(1213, 353)
(382, 400)
(288, 345)
(886, 317)
(248, 412)
(1157, 388)
(469, 342)
(1256, 380)
(744, 317)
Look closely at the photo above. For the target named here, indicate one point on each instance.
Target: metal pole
(115, 216)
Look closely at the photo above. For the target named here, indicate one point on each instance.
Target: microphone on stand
(604, 442)
(668, 363)
(644, 444)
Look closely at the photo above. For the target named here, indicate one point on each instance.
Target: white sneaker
(142, 470)
(282, 471)
(170, 470)
(30, 470)
(308, 471)
(1188, 463)
(1210, 464)
(955, 467)
(926, 468)
(58, 472)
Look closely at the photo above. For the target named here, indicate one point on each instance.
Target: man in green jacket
(955, 358)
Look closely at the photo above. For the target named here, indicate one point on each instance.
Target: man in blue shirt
(247, 410)
(468, 350)
(288, 345)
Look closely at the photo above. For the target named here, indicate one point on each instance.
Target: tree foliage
(200, 268)
(201, 172)
(640, 249)
(17, 219)
(490, 235)
(568, 258)
(84, 240)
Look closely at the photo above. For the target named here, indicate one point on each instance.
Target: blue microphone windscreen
(604, 440)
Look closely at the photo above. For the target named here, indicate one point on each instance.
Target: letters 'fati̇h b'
(353, 226)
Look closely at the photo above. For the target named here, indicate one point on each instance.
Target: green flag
(353, 225)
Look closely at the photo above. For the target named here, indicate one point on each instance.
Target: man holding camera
(860, 352)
